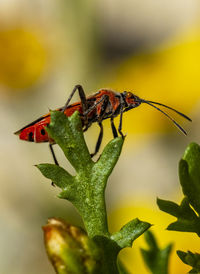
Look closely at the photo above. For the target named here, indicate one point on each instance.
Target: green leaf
(129, 232)
(155, 258)
(86, 191)
(192, 259)
(189, 173)
(56, 174)
(188, 213)
(168, 207)
(68, 134)
(122, 268)
(109, 156)
(187, 220)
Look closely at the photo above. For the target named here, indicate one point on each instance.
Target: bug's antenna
(180, 113)
(151, 104)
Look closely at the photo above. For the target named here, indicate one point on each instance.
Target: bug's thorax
(113, 101)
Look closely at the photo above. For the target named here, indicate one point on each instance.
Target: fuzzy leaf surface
(129, 232)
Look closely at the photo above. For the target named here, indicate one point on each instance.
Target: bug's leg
(82, 97)
(99, 140)
(83, 101)
(114, 131)
(53, 154)
(120, 123)
(54, 158)
(105, 101)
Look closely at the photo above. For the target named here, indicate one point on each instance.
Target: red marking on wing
(36, 133)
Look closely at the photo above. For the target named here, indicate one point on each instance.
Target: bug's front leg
(54, 157)
(99, 140)
(120, 123)
(114, 131)
(53, 154)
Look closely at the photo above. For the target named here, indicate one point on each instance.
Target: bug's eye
(129, 95)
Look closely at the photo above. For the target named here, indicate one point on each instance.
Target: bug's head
(131, 99)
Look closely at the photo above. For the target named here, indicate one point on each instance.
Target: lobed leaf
(192, 259)
(189, 173)
(129, 232)
(155, 258)
(187, 219)
(104, 166)
(168, 207)
(56, 174)
(86, 191)
(188, 212)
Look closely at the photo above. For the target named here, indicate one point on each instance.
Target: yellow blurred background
(151, 48)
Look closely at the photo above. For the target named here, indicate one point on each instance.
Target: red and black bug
(100, 106)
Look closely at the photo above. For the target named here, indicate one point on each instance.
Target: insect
(105, 104)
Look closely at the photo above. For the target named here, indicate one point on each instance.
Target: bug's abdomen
(36, 132)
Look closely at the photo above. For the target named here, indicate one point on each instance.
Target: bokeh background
(151, 48)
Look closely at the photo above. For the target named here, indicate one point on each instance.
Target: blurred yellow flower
(169, 74)
(22, 57)
(131, 257)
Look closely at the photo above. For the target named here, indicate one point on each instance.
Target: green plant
(188, 212)
(156, 259)
(85, 190)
